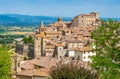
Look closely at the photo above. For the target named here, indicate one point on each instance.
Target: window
(18, 64)
(84, 52)
(88, 52)
(60, 48)
(84, 57)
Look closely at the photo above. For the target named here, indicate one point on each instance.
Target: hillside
(26, 20)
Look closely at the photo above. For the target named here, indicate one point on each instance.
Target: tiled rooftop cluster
(41, 67)
(62, 42)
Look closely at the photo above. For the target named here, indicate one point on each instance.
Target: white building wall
(71, 53)
(86, 56)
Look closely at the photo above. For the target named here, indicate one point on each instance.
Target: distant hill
(26, 20)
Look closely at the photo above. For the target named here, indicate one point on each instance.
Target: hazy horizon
(64, 8)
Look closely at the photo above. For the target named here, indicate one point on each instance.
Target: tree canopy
(5, 63)
(28, 40)
(107, 48)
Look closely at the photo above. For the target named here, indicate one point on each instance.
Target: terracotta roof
(85, 49)
(53, 32)
(27, 65)
(57, 24)
(74, 41)
(46, 62)
(42, 35)
(34, 72)
(59, 45)
(87, 34)
(49, 46)
(80, 38)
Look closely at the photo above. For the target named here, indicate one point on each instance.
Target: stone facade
(60, 42)
(27, 50)
(29, 77)
(84, 54)
(74, 44)
(23, 77)
(85, 20)
(57, 38)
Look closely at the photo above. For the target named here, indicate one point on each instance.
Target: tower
(39, 41)
(37, 47)
(42, 27)
(59, 19)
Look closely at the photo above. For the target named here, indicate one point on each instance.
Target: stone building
(47, 38)
(32, 74)
(59, 48)
(59, 25)
(54, 44)
(39, 42)
(27, 50)
(49, 50)
(72, 44)
(37, 68)
(84, 54)
(84, 20)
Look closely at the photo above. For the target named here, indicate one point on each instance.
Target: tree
(71, 71)
(5, 63)
(107, 48)
(28, 40)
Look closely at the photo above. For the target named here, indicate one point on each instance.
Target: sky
(68, 8)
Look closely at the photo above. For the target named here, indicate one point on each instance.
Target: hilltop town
(59, 42)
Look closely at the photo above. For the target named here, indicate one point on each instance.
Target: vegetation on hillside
(28, 40)
(5, 62)
(7, 39)
(107, 43)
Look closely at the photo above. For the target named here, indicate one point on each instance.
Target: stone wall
(26, 50)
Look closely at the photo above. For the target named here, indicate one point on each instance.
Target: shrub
(70, 71)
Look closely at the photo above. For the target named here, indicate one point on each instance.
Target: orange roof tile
(34, 72)
(59, 45)
(85, 49)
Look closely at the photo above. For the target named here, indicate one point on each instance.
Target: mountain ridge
(29, 20)
(26, 20)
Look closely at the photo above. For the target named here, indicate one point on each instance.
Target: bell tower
(42, 27)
